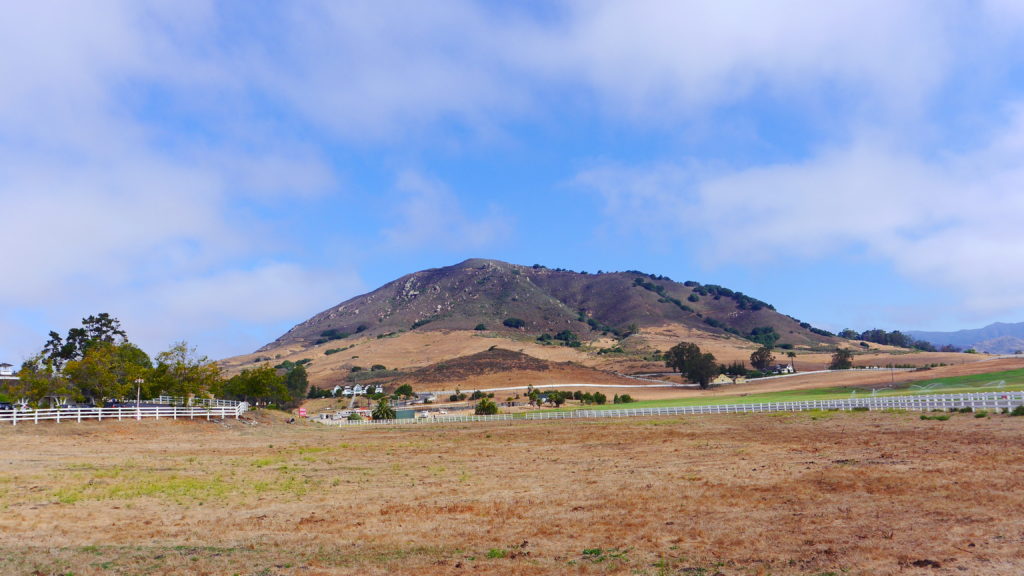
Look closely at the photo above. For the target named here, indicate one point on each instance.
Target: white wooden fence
(128, 413)
(195, 401)
(991, 401)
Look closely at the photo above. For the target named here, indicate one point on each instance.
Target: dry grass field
(803, 494)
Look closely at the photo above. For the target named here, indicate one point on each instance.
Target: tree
(100, 328)
(486, 407)
(383, 410)
(677, 355)
(842, 359)
(698, 367)
(762, 358)
(180, 371)
(792, 360)
(735, 370)
(108, 370)
(297, 383)
(37, 379)
(404, 390)
(259, 384)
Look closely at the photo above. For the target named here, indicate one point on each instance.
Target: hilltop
(508, 298)
(608, 321)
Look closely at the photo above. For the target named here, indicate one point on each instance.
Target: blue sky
(219, 171)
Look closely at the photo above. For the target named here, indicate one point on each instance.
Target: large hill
(613, 322)
(997, 338)
(492, 295)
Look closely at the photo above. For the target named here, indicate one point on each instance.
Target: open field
(986, 382)
(805, 494)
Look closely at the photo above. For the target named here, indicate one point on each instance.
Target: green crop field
(990, 382)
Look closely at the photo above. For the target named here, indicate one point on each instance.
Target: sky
(217, 172)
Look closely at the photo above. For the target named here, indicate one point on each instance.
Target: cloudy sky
(219, 171)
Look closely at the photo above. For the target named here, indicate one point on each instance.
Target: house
(781, 369)
(6, 369)
(725, 379)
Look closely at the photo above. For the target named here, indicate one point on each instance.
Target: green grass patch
(1010, 380)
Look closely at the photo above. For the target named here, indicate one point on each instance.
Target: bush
(1018, 411)
(860, 409)
(981, 414)
(377, 368)
(514, 323)
(941, 417)
(480, 327)
(486, 407)
(354, 417)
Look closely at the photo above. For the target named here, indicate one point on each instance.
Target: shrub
(513, 322)
(981, 414)
(422, 322)
(496, 553)
(860, 409)
(941, 417)
(377, 368)
(486, 407)
(480, 327)
(354, 417)
(1018, 411)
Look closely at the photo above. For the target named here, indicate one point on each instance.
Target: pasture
(805, 494)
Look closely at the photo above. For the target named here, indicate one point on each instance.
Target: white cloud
(947, 222)
(431, 217)
(654, 58)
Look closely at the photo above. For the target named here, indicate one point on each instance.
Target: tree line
(96, 362)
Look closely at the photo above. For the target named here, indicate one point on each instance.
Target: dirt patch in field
(803, 494)
(497, 367)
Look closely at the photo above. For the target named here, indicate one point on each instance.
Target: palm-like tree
(383, 410)
(792, 360)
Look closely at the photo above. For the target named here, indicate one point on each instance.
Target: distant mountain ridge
(501, 297)
(997, 338)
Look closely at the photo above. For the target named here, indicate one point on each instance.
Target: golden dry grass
(805, 494)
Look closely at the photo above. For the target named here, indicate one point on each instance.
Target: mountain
(510, 299)
(997, 338)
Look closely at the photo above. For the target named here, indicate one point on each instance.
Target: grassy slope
(990, 382)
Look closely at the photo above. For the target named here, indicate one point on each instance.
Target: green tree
(792, 360)
(842, 359)
(297, 383)
(37, 379)
(677, 355)
(383, 410)
(181, 371)
(762, 358)
(108, 370)
(688, 359)
(100, 328)
(486, 407)
(405, 390)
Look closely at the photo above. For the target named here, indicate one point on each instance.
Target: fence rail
(921, 402)
(157, 412)
(179, 401)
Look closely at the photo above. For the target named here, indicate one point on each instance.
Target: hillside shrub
(480, 327)
(377, 368)
(514, 323)
(421, 322)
